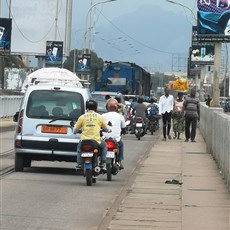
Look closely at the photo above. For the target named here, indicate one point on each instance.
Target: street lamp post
(216, 90)
(86, 27)
(202, 67)
(184, 6)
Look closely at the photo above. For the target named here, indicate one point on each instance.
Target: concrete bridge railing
(9, 105)
(215, 128)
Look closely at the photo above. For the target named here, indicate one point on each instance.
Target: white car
(45, 122)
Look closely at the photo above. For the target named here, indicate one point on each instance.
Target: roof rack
(52, 75)
(36, 81)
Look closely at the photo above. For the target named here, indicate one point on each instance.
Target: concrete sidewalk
(201, 202)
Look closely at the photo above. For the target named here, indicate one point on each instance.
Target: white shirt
(117, 121)
(166, 104)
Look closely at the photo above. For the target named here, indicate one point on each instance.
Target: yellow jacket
(91, 123)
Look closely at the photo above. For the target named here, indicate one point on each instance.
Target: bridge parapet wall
(9, 105)
(215, 129)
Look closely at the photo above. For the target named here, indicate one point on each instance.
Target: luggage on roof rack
(51, 75)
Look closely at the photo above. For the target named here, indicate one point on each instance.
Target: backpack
(152, 109)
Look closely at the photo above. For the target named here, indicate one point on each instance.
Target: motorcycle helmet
(140, 100)
(91, 105)
(153, 100)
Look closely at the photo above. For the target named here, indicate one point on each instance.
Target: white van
(45, 121)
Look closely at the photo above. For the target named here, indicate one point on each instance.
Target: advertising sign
(83, 64)
(218, 6)
(193, 68)
(213, 18)
(5, 35)
(201, 52)
(54, 53)
(37, 21)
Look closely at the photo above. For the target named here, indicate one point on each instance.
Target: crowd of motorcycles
(90, 150)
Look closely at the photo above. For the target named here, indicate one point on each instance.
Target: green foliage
(96, 62)
(13, 61)
(96, 65)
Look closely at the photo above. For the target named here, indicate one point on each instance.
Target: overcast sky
(154, 34)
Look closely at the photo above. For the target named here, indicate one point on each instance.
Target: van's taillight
(18, 144)
(20, 117)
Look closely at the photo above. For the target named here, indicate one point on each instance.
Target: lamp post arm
(184, 6)
(87, 15)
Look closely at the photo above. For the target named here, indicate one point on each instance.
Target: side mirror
(15, 117)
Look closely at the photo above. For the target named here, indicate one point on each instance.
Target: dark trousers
(166, 119)
(190, 127)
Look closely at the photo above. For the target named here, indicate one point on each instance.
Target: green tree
(95, 64)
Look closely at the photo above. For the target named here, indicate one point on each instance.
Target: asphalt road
(52, 195)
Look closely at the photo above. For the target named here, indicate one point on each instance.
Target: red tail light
(110, 145)
(87, 148)
(20, 118)
(139, 120)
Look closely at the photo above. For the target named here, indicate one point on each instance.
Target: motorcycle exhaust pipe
(97, 169)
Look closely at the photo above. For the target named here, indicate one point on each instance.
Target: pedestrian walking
(178, 116)
(165, 109)
(192, 115)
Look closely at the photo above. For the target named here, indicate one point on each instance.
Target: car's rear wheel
(27, 162)
(19, 162)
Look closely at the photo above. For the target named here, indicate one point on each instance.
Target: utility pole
(216, 90)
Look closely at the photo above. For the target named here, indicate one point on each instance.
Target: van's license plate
(54, 129)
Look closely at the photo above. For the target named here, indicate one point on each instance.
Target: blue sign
(5, 35)
(54, 53)
(83, 64)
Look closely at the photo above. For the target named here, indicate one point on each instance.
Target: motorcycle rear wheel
(88, 176)
(109, 172)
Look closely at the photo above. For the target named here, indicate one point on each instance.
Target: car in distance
(102, 96)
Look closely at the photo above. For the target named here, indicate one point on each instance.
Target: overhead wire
(133, 39)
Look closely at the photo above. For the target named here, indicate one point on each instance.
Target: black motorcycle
(112, 161)
(90, 153)
(139, 127)
(153, 124)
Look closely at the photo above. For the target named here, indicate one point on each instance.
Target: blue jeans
(103, 152)
(121, 150)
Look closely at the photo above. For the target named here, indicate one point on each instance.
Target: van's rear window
(53, 104)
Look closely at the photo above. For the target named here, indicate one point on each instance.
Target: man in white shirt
(118, 126)
(165, 109)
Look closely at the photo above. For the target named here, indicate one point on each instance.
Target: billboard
(213, 20)
(5, 35)
(54, 53)
(193, 68)
(83, 64)
(201, 52)
(35, 22)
